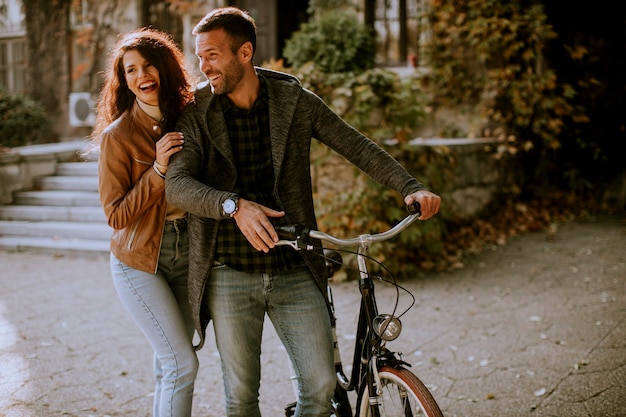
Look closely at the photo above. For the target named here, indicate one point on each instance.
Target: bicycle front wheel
(403, 395)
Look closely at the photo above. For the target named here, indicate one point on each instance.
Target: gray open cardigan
(203, 174)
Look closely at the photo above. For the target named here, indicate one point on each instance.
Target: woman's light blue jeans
(238, 303)
(158, 304)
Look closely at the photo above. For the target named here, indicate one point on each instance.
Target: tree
(47, 33)
(62, 59)
(96, 29)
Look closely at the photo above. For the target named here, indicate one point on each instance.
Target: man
(244, 169)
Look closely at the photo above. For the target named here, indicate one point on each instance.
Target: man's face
(221, 66)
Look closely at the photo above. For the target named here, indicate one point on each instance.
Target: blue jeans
(158, 304)
(238, 303)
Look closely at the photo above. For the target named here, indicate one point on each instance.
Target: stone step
(67, 183)
(55, 229)
(56, 246)
(52, 213)
(57, 198)
(78, 168)
(61, 214)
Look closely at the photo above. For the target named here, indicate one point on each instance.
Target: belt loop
(177, 238)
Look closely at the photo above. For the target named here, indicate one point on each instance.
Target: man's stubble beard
(230, 78)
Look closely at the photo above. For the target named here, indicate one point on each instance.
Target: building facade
(12, 46)
(95, 25)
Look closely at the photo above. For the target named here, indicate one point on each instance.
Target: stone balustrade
(21, 165)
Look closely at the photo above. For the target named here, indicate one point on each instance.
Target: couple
(229, 162)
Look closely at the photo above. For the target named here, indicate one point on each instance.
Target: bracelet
(157, 171)
(162, 168)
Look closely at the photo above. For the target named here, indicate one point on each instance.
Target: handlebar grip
(289, 232)
(414, 208)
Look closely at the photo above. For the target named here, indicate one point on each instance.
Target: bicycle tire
(395, 382)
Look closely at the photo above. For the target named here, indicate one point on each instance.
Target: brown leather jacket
(131, 192)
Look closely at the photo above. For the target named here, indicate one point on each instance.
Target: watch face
(229, 206)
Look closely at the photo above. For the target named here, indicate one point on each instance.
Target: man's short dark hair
(238, 24)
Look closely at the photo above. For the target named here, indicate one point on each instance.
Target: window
(12, 47)
(399, 31)
(11, 17)
(13, 64)
(158, 15)
(4, 16)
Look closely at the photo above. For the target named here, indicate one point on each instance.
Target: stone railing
(474, 177)
(477, 177)
(21, 165)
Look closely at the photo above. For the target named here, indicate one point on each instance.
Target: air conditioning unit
(82, 112)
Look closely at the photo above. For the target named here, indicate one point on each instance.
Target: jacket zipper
(132, 235)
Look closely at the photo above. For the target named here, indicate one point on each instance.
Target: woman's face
(142, 77)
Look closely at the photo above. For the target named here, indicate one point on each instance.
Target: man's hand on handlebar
(253, 221)
(429, 203)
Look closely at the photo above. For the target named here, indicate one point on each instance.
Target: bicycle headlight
(387, 327)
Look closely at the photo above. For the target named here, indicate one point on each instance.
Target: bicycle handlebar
(297, 235)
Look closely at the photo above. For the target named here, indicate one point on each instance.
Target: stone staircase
(60, 215)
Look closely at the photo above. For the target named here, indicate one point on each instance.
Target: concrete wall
(477, 177)
(473, 178)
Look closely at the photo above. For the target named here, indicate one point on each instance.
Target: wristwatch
(230, 206)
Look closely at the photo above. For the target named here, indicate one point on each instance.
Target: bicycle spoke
(395, 401)
(403, 395)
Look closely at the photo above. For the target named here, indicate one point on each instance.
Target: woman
(146, 87)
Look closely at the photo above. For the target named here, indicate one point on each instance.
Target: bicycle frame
(369, 349)
(369, 346)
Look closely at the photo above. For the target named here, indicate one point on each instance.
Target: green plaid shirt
(249, 134)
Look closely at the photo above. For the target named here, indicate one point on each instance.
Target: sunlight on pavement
(14, 370)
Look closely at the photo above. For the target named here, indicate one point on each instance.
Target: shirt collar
(260, 101)
(141, 118)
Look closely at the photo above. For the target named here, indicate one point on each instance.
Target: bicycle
(384, 385)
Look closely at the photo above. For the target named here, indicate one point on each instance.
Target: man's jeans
(158, 304)
(238, 302)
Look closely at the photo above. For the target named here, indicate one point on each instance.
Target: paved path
(532, 328)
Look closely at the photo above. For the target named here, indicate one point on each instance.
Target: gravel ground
(536, 327)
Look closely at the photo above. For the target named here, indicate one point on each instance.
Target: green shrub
(383, 106)
(377, 102)
(491, 55)
(334, 41)
(22, 120)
